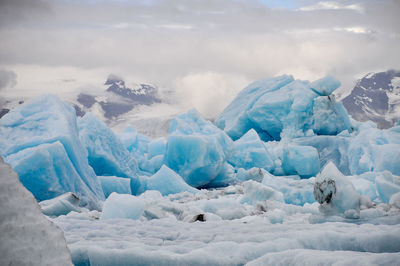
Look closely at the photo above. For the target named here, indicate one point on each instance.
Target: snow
(27, 237)
(40, 140)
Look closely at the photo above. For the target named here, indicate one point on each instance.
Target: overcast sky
(206, 50)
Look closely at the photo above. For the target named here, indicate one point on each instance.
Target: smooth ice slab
(168, 182)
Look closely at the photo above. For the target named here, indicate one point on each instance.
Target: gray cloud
(190, 44)
(7, 79)
(16, 12)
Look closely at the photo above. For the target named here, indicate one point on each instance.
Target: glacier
(106, 153)
(282, 107)
(40, 140)
(196, 149)
(282, 176)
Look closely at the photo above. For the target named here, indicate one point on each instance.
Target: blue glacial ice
(374, 150)
(110, 184)
(300, 160)
(166, 181)
(330, 148)
(295, 190)
(292, 159)
(156, 147)
(387, 185)
(196, 149)
(40, 140)
(249, 151)
(106, 154)
(284, 107)
(225, 177)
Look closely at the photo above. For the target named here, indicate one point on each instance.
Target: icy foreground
(27, 237)
(169, 231)
(284, 177)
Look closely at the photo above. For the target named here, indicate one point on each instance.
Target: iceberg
(256, 174)
(234, 119)
(122, 206)
(329, 116)
(60, 205)
(284, 107)
(106, 154)
(374, 150)
(336, 193)
(295, 190)
(292, 159)
(387, 185)
(330, 149)
(116, 184)
(249, 151)
(196, 149)
(168, 182)
(156, 147)
(255, 192)
(40, 140)
(300, 160)
(27, 236)
(225, 177)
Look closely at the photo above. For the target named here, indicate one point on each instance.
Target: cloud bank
(206, 50)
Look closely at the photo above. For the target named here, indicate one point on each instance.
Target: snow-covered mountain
(376, 97)
(118, 99)
(119, 104)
